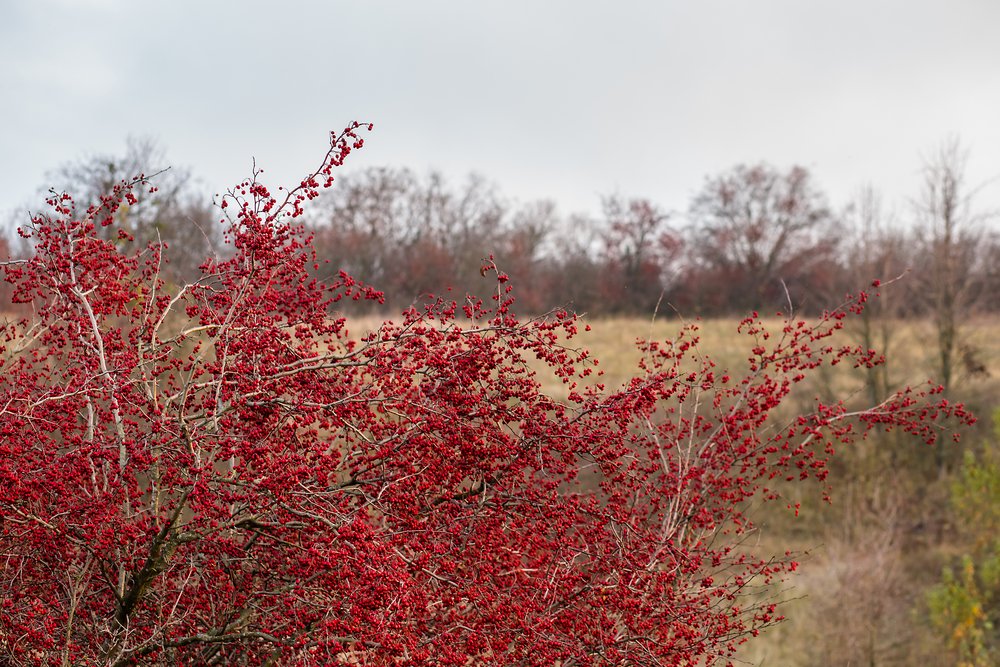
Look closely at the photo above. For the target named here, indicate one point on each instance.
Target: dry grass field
(866, 557)
(911, 357)
(859, 593)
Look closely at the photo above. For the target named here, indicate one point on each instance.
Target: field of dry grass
(859, 592)
(866, 562)
(911, 356)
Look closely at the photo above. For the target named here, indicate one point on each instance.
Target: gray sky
(565, 100)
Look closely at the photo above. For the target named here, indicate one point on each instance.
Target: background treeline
(753, 238)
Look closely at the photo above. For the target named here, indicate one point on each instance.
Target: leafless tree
(877, 250)
(640, 254)
(174, 214)
(754, 227)
(412, 236)
(950, 231)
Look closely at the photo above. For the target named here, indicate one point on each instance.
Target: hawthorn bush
(216, 473)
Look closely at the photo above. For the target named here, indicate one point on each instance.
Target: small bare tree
(950, 230)
(173, 213)
(878, 251)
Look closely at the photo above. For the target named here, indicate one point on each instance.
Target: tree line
(756, 237)
(753, 238)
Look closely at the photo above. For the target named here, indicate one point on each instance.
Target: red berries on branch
(218, 472)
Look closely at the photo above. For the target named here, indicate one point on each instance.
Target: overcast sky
(563, 100)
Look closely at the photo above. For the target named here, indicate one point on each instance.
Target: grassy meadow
(870, 555)
(911, 357)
